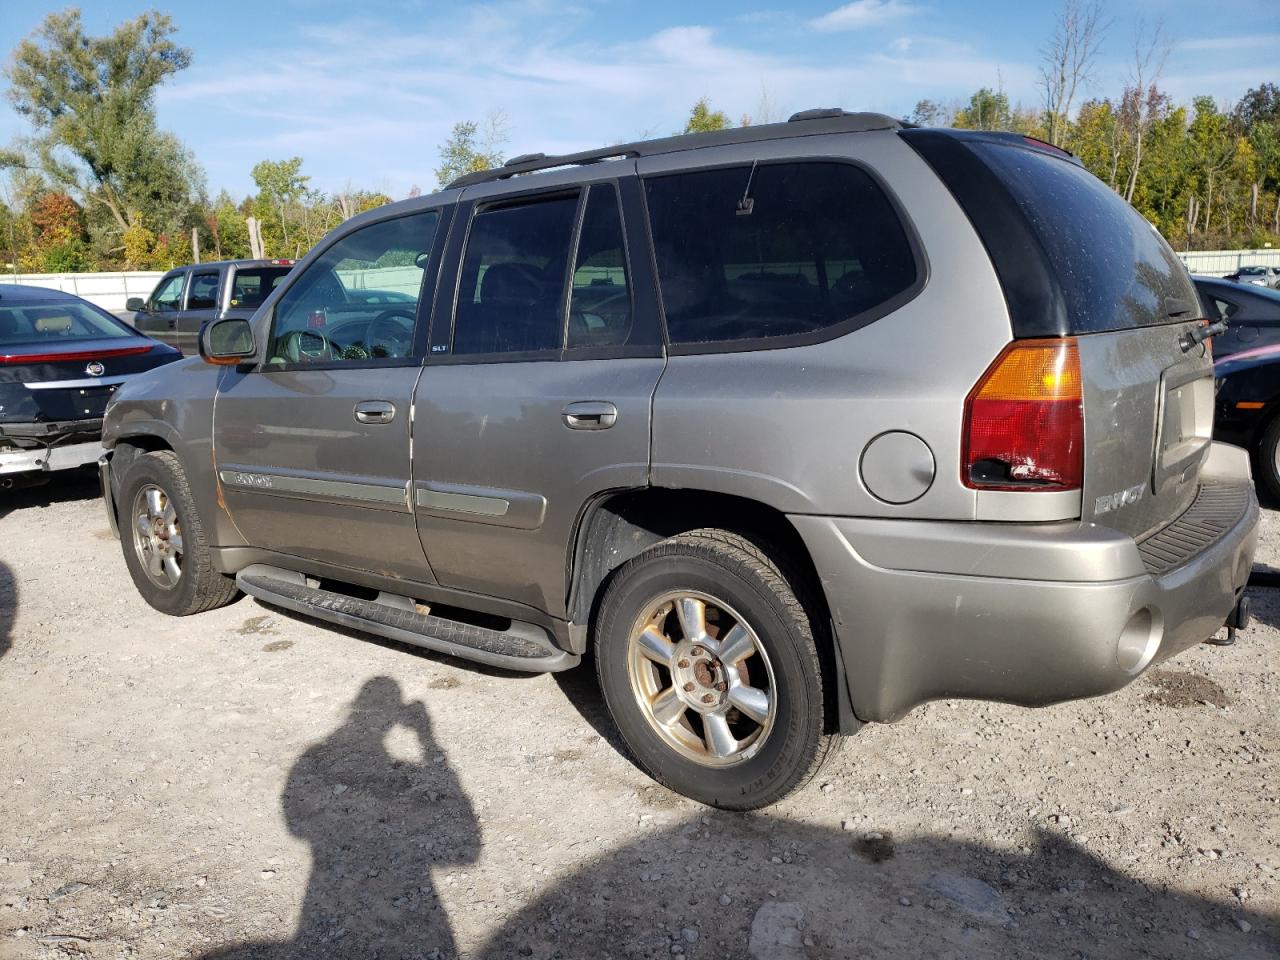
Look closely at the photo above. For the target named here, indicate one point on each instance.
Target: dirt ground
(247, 783)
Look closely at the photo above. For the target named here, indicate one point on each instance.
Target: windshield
(50, 323)
(1252, 271)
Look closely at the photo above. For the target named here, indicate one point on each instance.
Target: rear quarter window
(778, 253)
(1072, 256)
(1115, 269)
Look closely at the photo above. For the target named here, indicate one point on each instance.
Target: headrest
(508, 281)
(60, 323)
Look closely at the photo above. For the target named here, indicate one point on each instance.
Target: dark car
(1252, 314)
(188, 297)
(61, 359)
(1256, 275)
(1247, 412)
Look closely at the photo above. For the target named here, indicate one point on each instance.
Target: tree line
(98, 185)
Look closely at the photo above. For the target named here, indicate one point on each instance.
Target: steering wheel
(306, 346)
(397, 343)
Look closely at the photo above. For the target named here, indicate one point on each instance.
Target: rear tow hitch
(1238, 619)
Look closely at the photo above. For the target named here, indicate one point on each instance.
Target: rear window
(1071, 255)
(1115, 269)
(252, 286)
(42, 322)
(775, 252)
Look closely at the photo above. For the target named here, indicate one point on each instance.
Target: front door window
(359, 300)
(168, 295)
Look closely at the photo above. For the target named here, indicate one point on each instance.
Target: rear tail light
(72, 355)
(1024, 420)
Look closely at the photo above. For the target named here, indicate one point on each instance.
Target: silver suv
(793, 427)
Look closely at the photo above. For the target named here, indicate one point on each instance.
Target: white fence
(1220, 262)
(111, 290)
(406, 280)
(107, 290)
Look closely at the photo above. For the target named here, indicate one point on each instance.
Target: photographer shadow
(378, 827)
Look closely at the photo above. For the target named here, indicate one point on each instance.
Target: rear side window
(511, 298)
(600, 297)
(252, 286)
(202, 293)
(774, 251)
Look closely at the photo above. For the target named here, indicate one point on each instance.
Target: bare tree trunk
(255, 238)
(195, 245)
(1066, 62)
(1208, 203)
(1150, 50)
(1137, 162)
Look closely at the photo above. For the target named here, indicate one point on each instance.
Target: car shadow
(66, 486)
(8, 608)
(581, 688)
(712, 884)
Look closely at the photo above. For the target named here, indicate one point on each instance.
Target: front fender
(172, 406)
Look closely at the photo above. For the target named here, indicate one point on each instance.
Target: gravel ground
(247, 783)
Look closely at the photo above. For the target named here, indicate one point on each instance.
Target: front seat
(501, 321)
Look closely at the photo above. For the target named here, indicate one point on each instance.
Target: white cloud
(862, 13)
(1245, 42)
(370, 101)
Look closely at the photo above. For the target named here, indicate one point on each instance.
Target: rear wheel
(707, 661)
(164, 542)
(1268, 459)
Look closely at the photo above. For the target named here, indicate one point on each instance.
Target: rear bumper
(62, 456)
(1025, 613)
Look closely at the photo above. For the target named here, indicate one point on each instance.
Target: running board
(523, 647)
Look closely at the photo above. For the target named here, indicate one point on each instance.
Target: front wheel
(164, 542)
(708, 663)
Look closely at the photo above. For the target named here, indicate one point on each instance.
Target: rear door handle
(589, 415)
(375, 411)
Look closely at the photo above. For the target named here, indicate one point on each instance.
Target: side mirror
(227, 342)
(134, 304)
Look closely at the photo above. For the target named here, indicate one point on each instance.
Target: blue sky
(366, 93)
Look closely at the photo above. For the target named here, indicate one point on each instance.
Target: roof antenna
(748, 202)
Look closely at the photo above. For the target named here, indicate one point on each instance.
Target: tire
(183, 582)
(1266, 456)
(779, 742)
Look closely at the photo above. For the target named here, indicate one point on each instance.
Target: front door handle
(375, 411)
(589, 415)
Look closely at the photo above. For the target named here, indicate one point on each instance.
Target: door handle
(375, 411)
(589, 415)
(173, 323)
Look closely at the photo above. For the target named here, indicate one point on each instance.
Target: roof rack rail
(813, 122)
